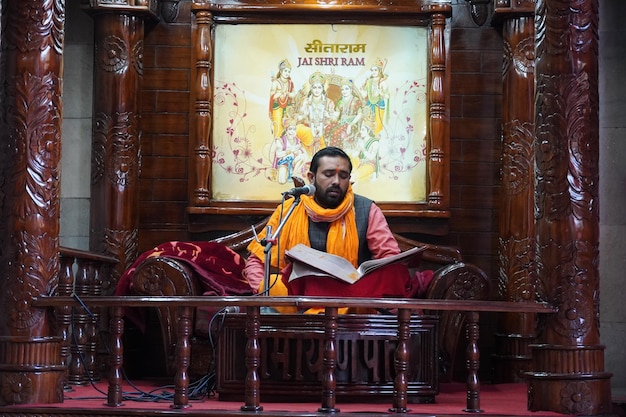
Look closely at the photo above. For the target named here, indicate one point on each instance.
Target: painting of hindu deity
(282, 92)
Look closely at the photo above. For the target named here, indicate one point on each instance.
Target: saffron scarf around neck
(342, 239)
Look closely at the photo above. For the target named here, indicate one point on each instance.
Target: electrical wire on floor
(216, 325)
(197, 390)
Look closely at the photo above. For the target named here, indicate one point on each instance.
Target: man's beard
(326, 200)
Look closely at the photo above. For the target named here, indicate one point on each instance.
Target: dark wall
(165, 125)
(475, 141)
(476, 62)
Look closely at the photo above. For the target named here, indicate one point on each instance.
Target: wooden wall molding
(142, 8)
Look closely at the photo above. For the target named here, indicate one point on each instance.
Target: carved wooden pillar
(517, 277)
(200, 151)
(568, 366)
(31, 368)
(439, 116)
(116, 157)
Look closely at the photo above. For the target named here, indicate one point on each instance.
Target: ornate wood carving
(123, 245)
(169, 9)
(31, 146)
(31, 370)
(566, 152)
(572, 379)
(479, 11)
(517, 277)
(33, 135)
(143, 8)
(295, 358)
(524, 6)
(116, 158)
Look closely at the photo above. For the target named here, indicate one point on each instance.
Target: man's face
(331, 181)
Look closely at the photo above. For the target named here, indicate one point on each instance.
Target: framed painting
(273, 88)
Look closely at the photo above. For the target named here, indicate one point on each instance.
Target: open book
(308, 261)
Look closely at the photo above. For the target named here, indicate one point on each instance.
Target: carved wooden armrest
(434, 256)
(240, 240)
(166, 276)
(457, 281)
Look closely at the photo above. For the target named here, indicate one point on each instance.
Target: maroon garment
(218, 268)
(390, 281)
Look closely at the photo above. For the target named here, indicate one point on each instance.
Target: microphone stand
(269, 241)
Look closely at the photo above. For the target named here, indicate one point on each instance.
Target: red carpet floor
(500, 400)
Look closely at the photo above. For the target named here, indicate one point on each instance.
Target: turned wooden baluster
(439, 154)
(94, 288)
(200, 167)
(330, 362)
(400, 384)
(473, 363)
(183, 358)
(116, 357)
(64, 314)
(253, 359)
(78, 370)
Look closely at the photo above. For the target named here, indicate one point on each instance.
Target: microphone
(308, 189)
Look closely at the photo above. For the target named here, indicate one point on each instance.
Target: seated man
(337, 221)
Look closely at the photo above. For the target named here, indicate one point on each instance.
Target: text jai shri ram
(318, 47)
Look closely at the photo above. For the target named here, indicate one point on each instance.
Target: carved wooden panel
(292, 357)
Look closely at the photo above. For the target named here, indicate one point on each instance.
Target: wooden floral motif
(566, 208)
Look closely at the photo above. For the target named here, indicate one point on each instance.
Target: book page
(318, 262)
(308, 261)
(373, 264)
(301, 270)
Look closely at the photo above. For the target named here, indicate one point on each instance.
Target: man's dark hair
(328, 151)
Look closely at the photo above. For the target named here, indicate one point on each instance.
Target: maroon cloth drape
(219, 268)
